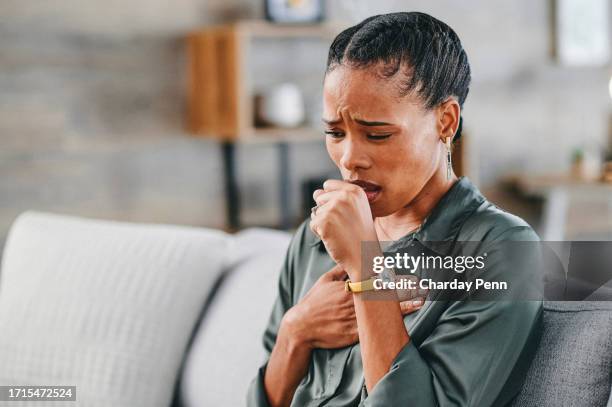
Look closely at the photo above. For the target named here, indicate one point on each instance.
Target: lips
(371, 189)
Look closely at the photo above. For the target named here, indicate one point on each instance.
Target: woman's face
(374, 135)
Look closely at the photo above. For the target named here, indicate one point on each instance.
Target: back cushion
(573, 364)
(105, 306)
(227, 350)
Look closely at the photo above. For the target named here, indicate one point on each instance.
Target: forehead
(363, 92)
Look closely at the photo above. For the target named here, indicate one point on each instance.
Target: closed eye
(334, 134)
(378, 136)
(339, 134)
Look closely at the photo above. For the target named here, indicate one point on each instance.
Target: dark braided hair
(426, 51)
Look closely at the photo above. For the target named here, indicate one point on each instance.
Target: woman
(394, 88)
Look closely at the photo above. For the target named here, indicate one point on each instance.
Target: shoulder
(488, 222)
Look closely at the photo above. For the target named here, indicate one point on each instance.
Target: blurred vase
(587, 164)
(282, 106)
(592, 165)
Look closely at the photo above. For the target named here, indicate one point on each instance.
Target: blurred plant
(577, 155)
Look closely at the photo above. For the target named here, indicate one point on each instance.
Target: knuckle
(355, 188)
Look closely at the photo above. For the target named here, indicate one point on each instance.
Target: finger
(347, 306)
(316, 222)
(324, 197)
(334, 184)
(313, 226)
(408, 307)
(317, 192)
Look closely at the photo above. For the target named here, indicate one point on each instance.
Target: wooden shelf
(540, 184)
(275, 135)
(220, 94)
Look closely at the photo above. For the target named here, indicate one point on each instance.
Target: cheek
(333, 151)
(407, 157)
(409, 164)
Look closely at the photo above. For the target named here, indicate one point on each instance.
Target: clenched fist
(343, 219)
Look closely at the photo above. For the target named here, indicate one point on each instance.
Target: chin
(380, 210)
(387, 206)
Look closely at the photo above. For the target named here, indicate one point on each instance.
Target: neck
(411, 216)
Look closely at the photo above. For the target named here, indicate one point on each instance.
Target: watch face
(294, 11)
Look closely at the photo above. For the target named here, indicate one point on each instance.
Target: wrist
(361, 269)
(294, 331)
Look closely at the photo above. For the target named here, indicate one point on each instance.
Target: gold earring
(449, 163)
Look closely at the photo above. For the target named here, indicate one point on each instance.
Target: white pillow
(106, 306)
(227, 350)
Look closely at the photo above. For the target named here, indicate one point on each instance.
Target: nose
(353, 155)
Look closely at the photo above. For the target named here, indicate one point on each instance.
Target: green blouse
(465, 353)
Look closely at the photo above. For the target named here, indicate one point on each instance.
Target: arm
(465, 361)
(382, 333)
(343, 220)
(480, 348)
(287, 365)
(323, 318)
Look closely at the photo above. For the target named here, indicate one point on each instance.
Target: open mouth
(371, 189)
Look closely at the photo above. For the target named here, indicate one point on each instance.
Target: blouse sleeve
(478, 352)
(256, 395)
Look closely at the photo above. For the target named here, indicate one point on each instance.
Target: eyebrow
(362, 122)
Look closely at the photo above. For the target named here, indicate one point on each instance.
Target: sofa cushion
(106, 306)
(573, 364)
(227, 349)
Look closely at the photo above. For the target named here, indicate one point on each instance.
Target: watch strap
(359, 286)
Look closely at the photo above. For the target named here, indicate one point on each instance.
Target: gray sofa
(160, 315)
(573, 364)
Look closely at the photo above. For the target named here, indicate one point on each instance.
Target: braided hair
(426, 52)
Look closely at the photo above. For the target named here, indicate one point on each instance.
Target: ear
(448, 113)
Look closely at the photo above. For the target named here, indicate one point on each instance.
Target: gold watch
(359, 286)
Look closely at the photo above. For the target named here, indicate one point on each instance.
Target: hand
(406, 295)
(343, 219)
(325, 317)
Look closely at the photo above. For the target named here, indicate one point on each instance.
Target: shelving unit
(221, 99)
(220, 91)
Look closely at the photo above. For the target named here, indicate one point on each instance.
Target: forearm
(382, 335)
(287, 365)
(380, 324)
